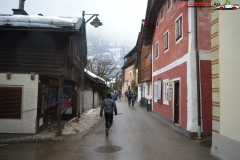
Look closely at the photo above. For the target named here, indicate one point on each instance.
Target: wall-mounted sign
(40, 121)
(170, 95)
(170, 83)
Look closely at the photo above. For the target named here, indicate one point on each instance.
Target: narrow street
(134, 135)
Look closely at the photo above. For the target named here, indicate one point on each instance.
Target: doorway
(176, 102)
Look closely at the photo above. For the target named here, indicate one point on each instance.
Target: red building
(176, 39)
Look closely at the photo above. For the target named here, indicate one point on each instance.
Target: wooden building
(42, 61)
(145, 67)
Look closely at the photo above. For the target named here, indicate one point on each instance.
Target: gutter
(198, 76)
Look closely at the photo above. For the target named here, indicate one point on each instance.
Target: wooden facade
(51, 53)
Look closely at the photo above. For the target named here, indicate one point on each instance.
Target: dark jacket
(133, 97)
(108, 105)
(114, 96)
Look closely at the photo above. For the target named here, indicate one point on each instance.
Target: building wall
(128, 78)
(225, 86)
(97, 99)
(179, 62)
(27, 123)
(148, 96)
(88, 99)
(167, 109)
(173, 63)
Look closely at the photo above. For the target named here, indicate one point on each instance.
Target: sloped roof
(36, 21)
(94, 77)
(131, 52)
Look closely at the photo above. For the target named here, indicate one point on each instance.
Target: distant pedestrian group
(131, 98)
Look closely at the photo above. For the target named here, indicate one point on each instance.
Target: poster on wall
(170, 94)
(67, 99)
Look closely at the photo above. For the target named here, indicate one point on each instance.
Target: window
(130, 74)
(156, 50)
(50, 97)
(156, 23)
(165, 41)
(10, 102)
(161, 13)
(157, 90)
(165, 91)
(169, 4)
(179, 28)
(148, 92)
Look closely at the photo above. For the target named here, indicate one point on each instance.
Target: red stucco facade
(179, 50)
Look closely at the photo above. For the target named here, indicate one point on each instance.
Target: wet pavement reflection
(135, 135)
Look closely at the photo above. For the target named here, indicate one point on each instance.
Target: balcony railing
(146, 74)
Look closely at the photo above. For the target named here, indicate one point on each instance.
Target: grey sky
(121, 18)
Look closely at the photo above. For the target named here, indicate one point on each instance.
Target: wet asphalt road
(139, 135)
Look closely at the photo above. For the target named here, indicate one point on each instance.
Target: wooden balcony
(146, 74)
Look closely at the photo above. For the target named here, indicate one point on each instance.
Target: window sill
(165, 102)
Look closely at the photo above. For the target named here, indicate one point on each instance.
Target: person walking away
(114, 96)
(133, 99)
(129, 96)
(108, 105)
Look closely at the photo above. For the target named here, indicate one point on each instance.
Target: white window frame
(165, 91)
(166, 49)
(156, 50)
(157, 90)
(162, 14)
(170, 4)
(179, 39)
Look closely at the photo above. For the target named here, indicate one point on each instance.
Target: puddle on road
(108, 149)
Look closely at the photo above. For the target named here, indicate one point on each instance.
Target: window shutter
(10, 102)
(1, 101)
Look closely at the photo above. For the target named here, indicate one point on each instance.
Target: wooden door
(176, 102)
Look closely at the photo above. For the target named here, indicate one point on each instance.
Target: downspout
(197, 73)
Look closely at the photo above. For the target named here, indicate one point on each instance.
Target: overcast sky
(121, 18)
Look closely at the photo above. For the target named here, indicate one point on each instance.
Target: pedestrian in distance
(114, 96)
(129, 96)
(108, 105)
(133, 99)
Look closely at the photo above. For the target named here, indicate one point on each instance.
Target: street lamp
(96, 22)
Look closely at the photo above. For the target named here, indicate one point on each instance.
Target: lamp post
(96, 22)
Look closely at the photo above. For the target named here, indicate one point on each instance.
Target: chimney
(20, 10)
(21, 4)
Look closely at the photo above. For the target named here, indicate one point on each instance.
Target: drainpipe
(197, 73)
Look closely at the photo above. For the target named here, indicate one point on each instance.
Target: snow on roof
(40, 21)
(93, 75)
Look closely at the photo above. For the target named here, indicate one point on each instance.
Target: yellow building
(225, 34)
(129, 71)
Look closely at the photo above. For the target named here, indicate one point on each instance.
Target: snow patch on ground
(85, 122)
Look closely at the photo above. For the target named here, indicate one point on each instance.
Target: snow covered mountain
(111, 51)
